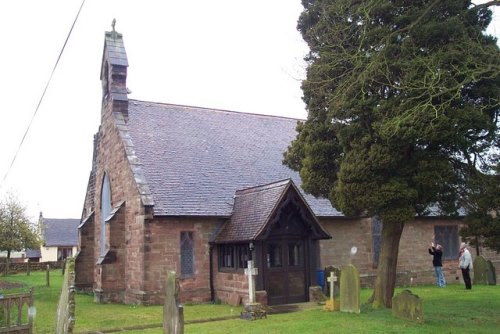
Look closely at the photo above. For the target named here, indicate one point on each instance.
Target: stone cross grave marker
(252, 309)
(330, 304)
(332, 279)
(251, 272)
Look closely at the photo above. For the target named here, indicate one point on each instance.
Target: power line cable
(41, 97)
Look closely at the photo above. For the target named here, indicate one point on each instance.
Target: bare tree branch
(486, 4)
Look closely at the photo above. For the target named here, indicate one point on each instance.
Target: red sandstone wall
(162, 253)
(126, 272)
(229, 286)
(85, 260)
(414, 262)
(347, 233)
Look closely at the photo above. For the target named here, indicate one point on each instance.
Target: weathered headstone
(350, 289)
(235, 299)
(480, 270)
(66, 306)
(408, 306)
(492, 275)
(173, 313)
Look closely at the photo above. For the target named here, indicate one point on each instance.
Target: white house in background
(14, 256)
(60, 240)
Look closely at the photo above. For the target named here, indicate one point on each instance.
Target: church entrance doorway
(285, 270)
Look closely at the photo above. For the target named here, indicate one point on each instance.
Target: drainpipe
(210, 264)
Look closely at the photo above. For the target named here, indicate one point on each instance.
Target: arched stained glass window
(105, 211)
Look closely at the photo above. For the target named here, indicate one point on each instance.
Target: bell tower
(114, 74)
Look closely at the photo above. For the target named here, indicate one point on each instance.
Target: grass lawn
(449, 310)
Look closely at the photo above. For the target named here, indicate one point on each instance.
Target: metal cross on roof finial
(113, 34)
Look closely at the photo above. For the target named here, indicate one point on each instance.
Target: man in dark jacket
(437, 253)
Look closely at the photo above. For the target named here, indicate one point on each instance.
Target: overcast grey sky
(229, 54)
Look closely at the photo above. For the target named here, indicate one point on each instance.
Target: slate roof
(193, 159)
(33, 253)
(60, 232)
(253, 208)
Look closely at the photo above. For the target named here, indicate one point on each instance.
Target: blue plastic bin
(320, 278)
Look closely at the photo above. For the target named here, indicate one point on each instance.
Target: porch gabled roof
(253, 209)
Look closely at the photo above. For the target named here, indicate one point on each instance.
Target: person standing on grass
(465, 264)
(437, 253)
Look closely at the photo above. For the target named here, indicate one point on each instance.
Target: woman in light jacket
(465, 264)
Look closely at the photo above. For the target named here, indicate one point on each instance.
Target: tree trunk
(388, 261)
(7, 263)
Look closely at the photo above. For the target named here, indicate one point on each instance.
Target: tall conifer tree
(403, 107)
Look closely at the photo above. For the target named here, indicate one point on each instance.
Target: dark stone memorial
(484, 271)
(408, 306)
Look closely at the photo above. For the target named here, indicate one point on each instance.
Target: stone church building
(202, 191)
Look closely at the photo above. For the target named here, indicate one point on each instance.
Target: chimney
(114, 74)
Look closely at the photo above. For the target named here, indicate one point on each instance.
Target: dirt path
(4, 285)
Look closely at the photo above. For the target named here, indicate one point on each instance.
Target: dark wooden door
(285, 271)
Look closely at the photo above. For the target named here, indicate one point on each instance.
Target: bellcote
(114, 68)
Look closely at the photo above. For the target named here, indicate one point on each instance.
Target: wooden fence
(16, 268)
(15, 317)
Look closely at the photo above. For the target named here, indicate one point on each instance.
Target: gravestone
(349, 289)
(492, 275)
(336, 271)
(330, 304)
(235, 299)
(173, 313)
(251, 272)
(408, 306)
(252, 309)
(480, 270)
(65, 320)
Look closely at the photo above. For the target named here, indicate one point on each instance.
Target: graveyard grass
(446, 310)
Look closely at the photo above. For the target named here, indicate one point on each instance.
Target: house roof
(33, 253)
(191, 160)
(60, 232)
(253, 209)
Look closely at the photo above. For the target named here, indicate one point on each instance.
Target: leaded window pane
(376, 239)
(274, 255)
(295, 257)
(187, 254)
(447, 236)
(243, 256)
(105, 211)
